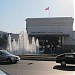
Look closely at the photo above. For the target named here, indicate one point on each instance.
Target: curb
(38, 57)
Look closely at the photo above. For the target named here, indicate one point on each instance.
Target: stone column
(59, 41)
(63, 41)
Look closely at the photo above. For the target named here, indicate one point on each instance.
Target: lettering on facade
(50, 32)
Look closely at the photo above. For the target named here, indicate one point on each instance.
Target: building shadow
(64, 68)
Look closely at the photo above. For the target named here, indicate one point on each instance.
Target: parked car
(66, 58)
(8, 57)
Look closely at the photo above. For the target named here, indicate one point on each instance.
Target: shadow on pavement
(30, 63)
(4, 63)
(64, 68)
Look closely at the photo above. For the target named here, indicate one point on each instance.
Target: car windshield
(2, 73)
(6, 53)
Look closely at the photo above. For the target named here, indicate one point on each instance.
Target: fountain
(37, 46)
(23, 46)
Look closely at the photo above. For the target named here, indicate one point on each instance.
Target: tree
(3, 41)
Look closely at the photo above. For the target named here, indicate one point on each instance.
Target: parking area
(29, 67)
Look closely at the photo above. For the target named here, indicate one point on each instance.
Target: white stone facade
(59, 26)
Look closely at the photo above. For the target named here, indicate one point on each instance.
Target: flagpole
(48, 13)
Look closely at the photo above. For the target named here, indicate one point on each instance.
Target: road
(28, 67)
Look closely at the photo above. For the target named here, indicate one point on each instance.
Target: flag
(47, 8)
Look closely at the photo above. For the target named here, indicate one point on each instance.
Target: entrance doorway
(50, 44)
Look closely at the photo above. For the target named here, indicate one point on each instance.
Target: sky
(14, 12)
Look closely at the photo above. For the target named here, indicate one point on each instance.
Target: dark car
(8, 57)
(66, 58)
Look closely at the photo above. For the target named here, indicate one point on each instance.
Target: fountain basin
(40, 57)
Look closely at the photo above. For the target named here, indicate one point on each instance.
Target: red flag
(47, 8)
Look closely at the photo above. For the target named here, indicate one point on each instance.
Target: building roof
(56, 18)
(59, 21)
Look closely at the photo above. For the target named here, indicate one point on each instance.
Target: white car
(8, 57)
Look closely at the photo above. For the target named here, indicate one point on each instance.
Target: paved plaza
(29, 67)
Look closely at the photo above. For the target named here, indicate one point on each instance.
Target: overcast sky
(14, 12)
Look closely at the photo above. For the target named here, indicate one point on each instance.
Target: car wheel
(14, 62)
(9, 61)
(63, 63)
